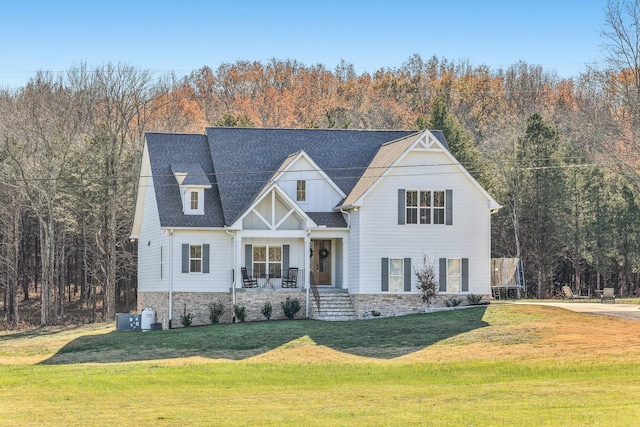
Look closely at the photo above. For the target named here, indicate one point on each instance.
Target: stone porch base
(387, 305)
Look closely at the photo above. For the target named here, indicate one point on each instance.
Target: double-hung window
(438, 207)
(267, 259)
(396, 275)
(195, 258)
(454, 275)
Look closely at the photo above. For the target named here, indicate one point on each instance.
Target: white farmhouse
(336, 218)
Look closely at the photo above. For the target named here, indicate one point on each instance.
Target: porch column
(237, 261)
(307, 268)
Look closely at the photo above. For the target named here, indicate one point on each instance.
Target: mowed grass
(499, 365)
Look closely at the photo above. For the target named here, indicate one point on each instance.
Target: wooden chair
(608, 295)
(291, 281)
(248, 281)
(567, 293)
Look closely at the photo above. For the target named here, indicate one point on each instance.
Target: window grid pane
(275, 253)
(260, 253)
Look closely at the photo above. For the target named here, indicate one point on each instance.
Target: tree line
(560, 155)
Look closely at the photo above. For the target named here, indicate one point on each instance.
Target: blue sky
(182, 36)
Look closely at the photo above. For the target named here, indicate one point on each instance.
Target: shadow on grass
(384, 338)
(33, 333)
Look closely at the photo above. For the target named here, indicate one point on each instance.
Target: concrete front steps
(335, 305)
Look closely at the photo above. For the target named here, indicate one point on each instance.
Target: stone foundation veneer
(253, 299)
(196, 304)
(399, 304)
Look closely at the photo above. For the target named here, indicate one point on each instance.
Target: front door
(321, 262)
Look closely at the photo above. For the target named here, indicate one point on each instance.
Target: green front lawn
(500, 365)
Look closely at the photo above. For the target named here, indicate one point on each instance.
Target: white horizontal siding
(219, 278)
(381, 236)
(150, 242)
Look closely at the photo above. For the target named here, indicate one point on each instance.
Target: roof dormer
(192, 181)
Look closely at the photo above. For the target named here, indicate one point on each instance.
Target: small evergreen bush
(267, 310)
(290, 307)
(453, 302)
(215, 311)
(186, 318)
(240, 312)
(473, 299)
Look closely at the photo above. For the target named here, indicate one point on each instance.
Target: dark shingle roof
(190, 174)
(171, 149)
(238, 162)
(246, 158)
(328, 219)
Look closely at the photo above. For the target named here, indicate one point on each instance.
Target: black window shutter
(401, 206)
(465, 274)
(185, 258)
(248, 258)
(443, 275)
(285, 260)
(205, 258)
(407, 274)
(385, 274)
(448, 210)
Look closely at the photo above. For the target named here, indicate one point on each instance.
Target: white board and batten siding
(380, 235)
(320, 195)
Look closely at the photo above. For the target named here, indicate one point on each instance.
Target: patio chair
(608, 295)
(567, 293)
(248, 281)
(291, 281)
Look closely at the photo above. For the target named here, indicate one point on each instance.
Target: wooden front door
(321, 262)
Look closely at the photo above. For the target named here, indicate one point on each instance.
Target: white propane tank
(148, 317)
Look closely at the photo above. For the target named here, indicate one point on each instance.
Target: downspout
(235, 275)
(170, 276)
(348, 218)
(307, 274)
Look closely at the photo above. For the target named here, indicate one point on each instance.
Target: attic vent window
(301, 190)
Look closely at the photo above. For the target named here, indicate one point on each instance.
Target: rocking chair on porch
(248, 281)
(291, 281)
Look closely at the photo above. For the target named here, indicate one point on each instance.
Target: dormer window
(192, 180)
(194, 200)
(301, 190)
